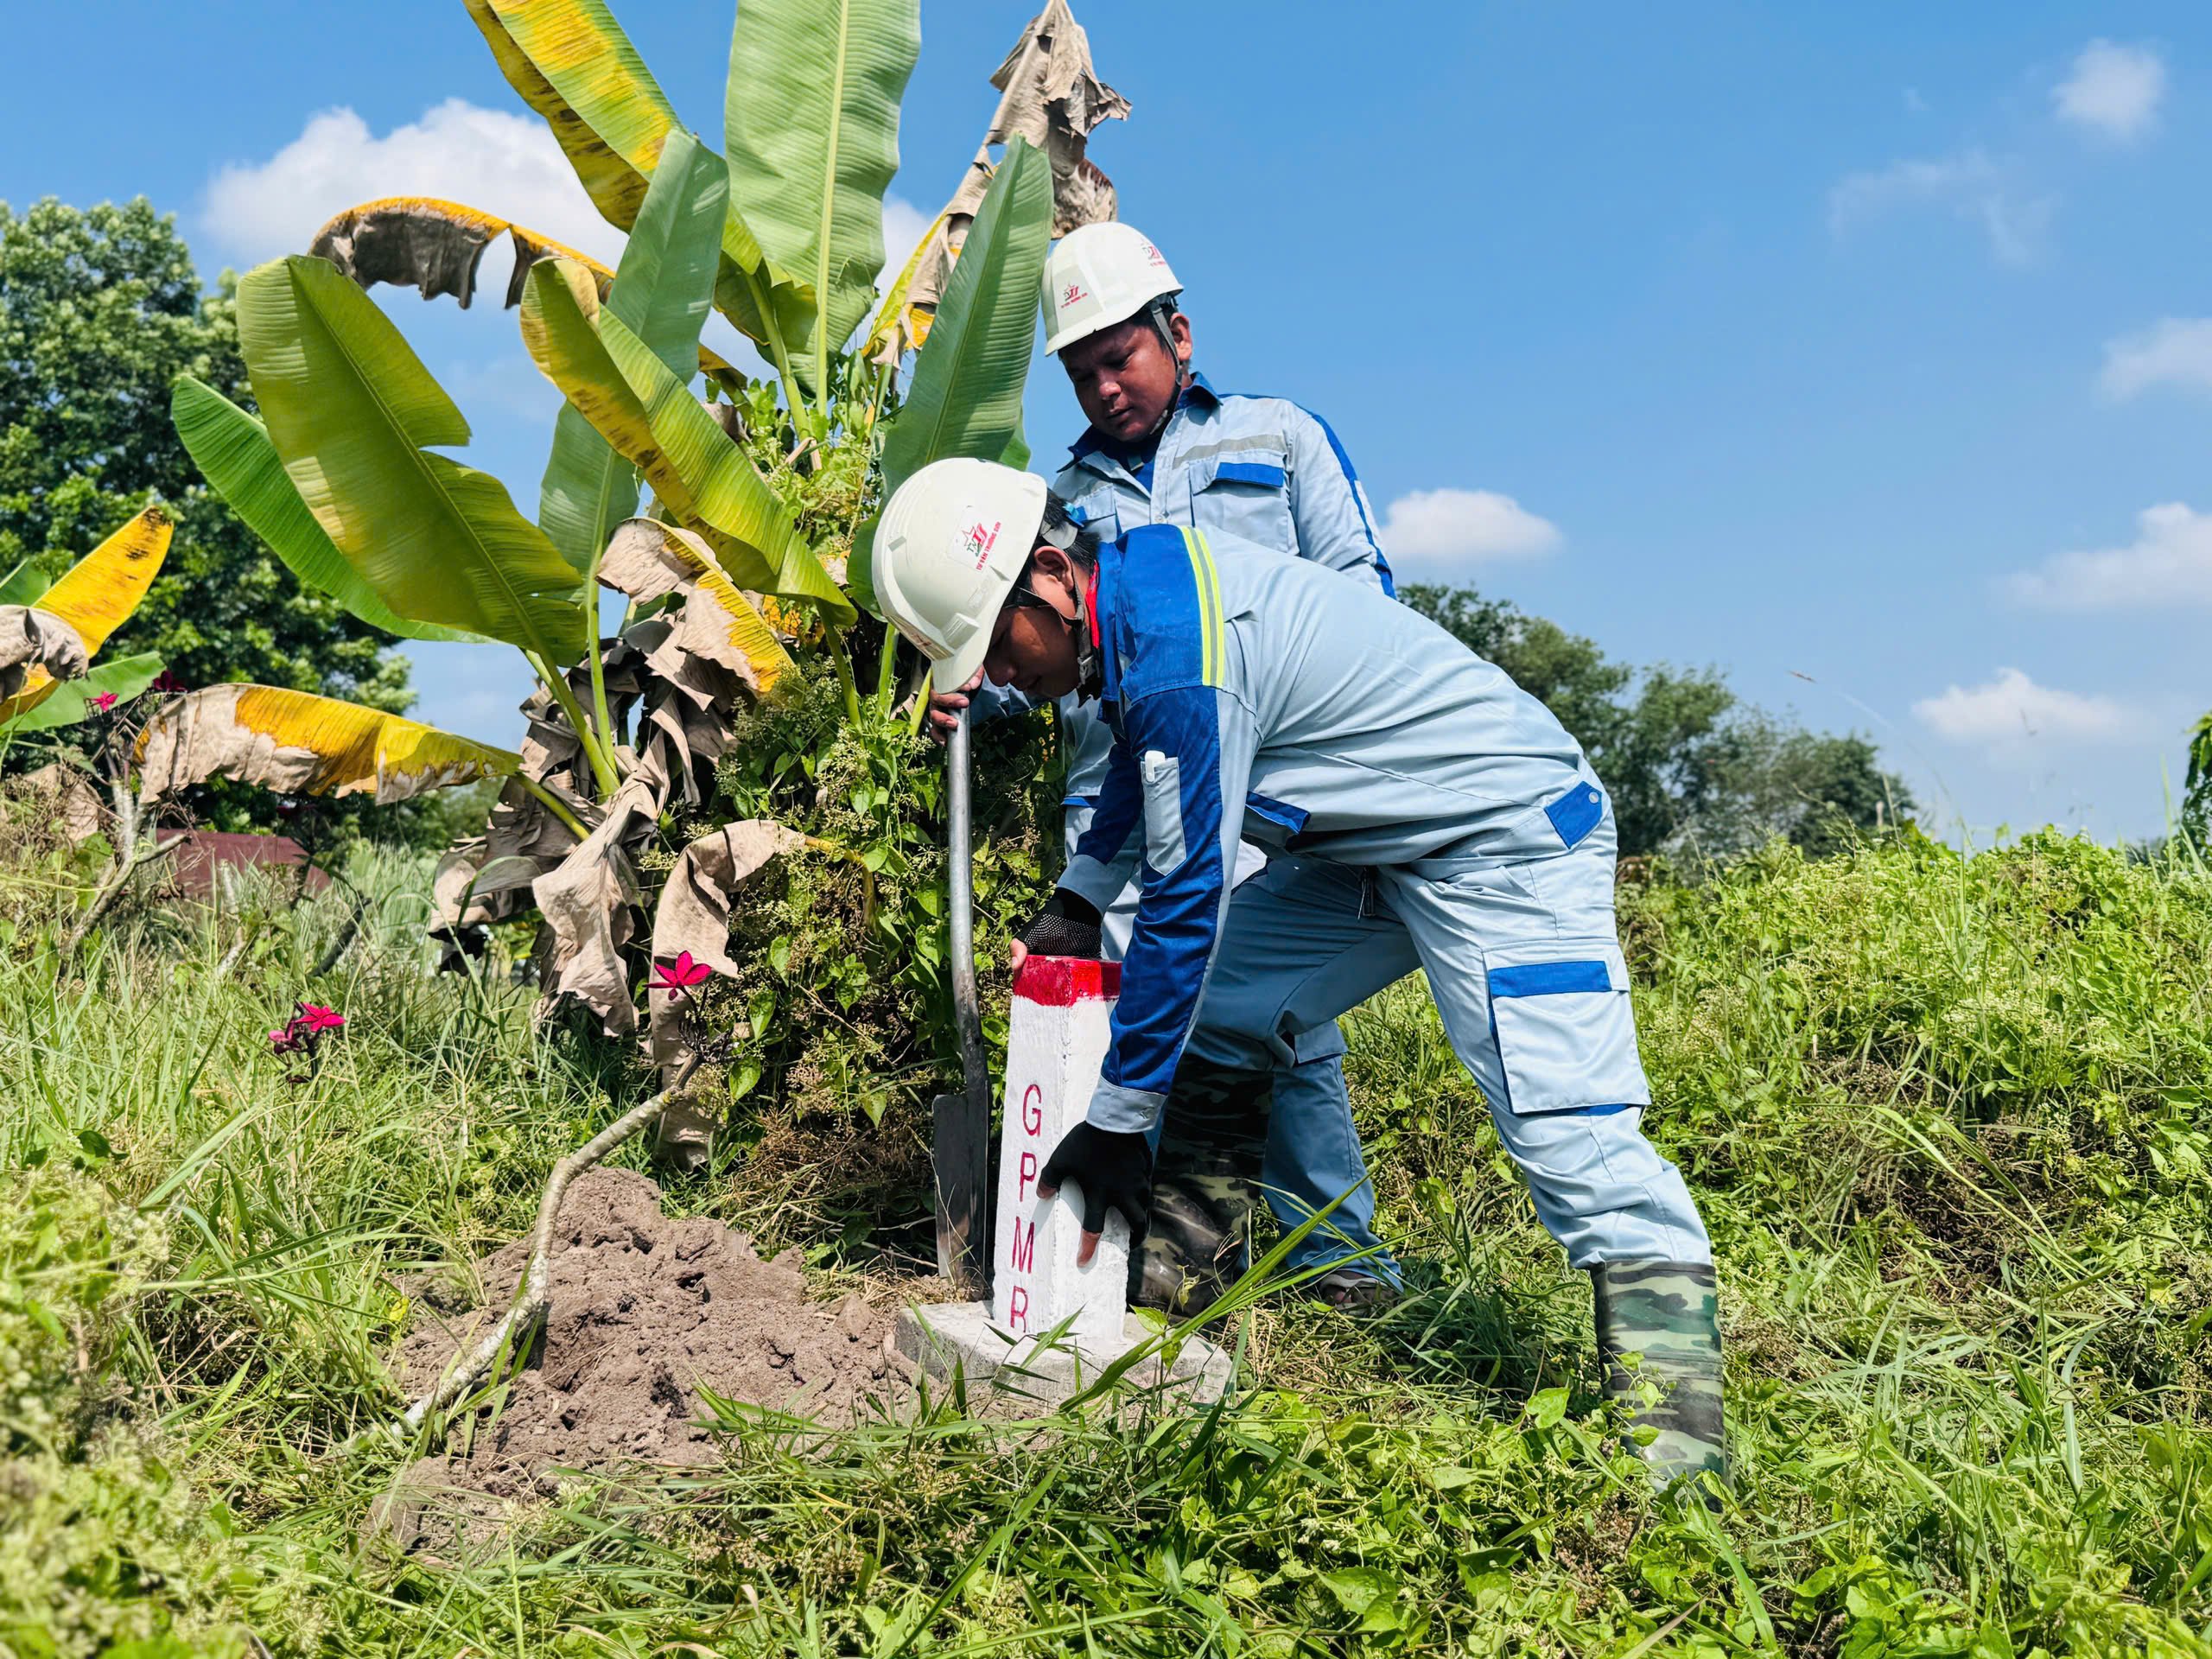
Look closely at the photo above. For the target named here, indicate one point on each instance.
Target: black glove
(1067, 926)
(1114, 1168)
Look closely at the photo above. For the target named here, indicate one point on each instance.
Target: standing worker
(1451, 824)
(1164, 447)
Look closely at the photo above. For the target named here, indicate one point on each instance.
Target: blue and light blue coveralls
(1420, 810)
(1266, 470)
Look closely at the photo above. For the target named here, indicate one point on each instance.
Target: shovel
(960, 1139)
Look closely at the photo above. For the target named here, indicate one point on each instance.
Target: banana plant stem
(883, 373)
(886, 661)
(834, 643)
(921, 706)
(602, 763)
(777, 352)
(551, 803)
(598, 660)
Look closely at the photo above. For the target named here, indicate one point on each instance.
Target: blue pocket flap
(1576, 813)
(1250, 472)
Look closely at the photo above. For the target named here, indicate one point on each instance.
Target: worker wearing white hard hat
(1165, 447)
(1446, 822)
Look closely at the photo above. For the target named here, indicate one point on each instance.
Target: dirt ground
(645, 1309)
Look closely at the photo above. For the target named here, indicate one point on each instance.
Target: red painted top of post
(1062, 981)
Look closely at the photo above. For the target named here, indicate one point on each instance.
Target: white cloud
(903, 227)
(1464, 526)
(2178, 352)
(2113, 92)
(2013, 710)
(502, 162)
(1970, 185)
(2168, 563)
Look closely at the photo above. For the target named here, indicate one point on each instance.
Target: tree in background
(1693, 772)
(100, 310)
(2197, 804)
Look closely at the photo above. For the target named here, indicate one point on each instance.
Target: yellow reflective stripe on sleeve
(1208, 582)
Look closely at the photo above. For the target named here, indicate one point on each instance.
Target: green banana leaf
(354, 414)
(588, 490)
(966, 395)
(662, 290)
(569, 60)
(811, 124)
(698, 474)
(72, 701)
(233, 452)
(664, 285)
(22, 585)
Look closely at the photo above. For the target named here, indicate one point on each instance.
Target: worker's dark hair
(1063, 530)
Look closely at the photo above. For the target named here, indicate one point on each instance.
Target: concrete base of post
(1016, 1376)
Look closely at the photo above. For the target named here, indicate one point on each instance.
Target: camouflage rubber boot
(1206, 1178)
(1669, 1313)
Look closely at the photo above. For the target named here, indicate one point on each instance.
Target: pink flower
(104, 701)
(304, 1030)
(168, 683)
(678, 977)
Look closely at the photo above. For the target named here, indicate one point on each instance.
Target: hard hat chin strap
(1159, 312)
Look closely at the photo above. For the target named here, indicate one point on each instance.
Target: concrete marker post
(1058, 1032)
(1057, 1035)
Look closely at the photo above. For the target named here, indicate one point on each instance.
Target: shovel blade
(960, 1150)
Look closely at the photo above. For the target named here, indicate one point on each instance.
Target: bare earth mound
(645, 1309)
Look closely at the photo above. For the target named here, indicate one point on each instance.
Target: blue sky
(1864, 352)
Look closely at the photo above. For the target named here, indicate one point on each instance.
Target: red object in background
(206, 851)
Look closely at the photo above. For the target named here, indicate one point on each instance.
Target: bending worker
(1445, 821)
(1164, 447)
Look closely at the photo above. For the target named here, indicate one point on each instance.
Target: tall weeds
(1946, 1116)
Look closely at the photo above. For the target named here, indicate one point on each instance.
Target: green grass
(1948, 1118)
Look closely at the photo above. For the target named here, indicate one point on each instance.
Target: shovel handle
(963, 1144)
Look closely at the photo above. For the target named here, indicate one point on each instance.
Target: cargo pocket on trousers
(1566, 1034)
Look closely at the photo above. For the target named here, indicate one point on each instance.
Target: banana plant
(758, 504)
(55, 686)
(340, 474)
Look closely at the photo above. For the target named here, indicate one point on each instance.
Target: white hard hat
(1097, 276)
(951, 543)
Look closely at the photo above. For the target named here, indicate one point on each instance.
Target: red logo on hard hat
(979, 540)
(1075, 292)
(1152, 255)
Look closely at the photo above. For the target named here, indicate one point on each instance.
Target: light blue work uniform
(1425, 811)
(1266, 470)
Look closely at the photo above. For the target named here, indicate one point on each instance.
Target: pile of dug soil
(645, 1309)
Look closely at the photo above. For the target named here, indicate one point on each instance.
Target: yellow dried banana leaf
(648, 560)
(299, 744)
(97, 596)
(435, 245)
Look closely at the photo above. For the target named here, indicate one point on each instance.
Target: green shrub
(102, 1547)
